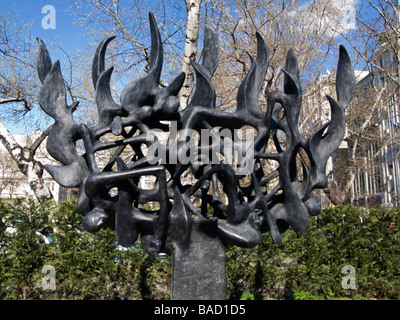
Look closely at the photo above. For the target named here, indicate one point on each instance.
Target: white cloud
(330, 16)
(347, 14)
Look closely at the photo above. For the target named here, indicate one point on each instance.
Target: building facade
(13, 184)
(374, 137)
(366, 167)
(377, 180)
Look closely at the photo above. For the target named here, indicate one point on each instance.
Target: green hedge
(87, 266)
(92, 266)
(309, 266)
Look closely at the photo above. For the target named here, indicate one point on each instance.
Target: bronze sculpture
(179, 227)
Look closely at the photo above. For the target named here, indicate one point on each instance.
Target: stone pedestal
(198, 269)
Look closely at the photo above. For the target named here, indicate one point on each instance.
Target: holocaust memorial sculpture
(197, 218)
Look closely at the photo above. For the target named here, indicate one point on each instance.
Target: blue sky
(31, 11)
(70, 36)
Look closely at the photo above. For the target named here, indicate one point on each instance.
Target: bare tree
(10, 177)
(18, 89)
(365, 146)
(378, 29)
(27, 164)
(370, 166)
(283, 25)
(308, 28)
(190, 51)
(16, 65)
(129, 52)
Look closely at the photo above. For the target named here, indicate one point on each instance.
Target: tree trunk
(32, 169)
(190, 51)
(198, 268)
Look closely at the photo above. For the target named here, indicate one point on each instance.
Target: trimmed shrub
(93, 266)
(87, 265)
(310, 265)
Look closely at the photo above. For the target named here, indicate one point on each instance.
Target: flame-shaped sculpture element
(65, 132)
(240, 214)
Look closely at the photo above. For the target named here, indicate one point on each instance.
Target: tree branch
(17, 100)
(40, 139)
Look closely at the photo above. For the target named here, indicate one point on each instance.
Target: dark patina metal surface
(195, 236)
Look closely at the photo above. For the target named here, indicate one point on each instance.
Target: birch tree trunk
(24, 157)
(190, 51)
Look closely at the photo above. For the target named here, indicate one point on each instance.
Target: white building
(377, 175)
(13, 184)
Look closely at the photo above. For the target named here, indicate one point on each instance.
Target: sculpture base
(198, 269)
